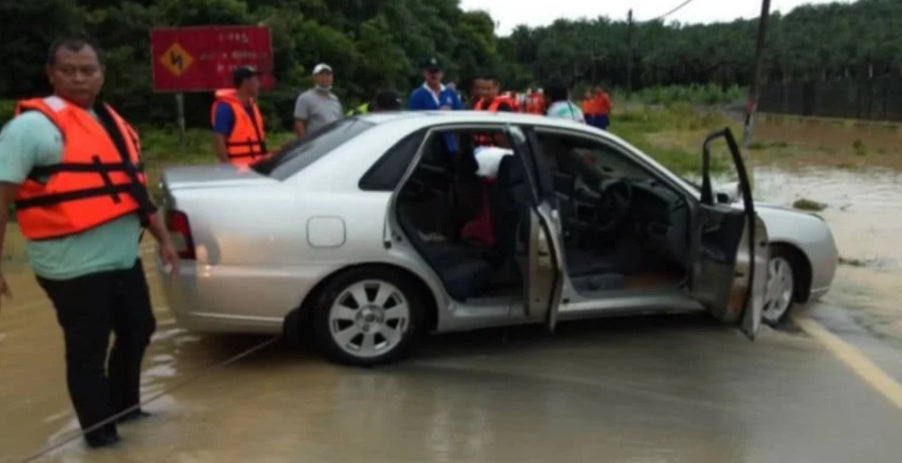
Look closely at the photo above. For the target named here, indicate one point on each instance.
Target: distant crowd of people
(238, 124)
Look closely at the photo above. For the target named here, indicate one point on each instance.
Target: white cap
(322, 67)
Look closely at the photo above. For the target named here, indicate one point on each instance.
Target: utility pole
(629, 43)
(752, 104)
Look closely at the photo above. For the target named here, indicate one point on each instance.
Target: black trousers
(88, 308)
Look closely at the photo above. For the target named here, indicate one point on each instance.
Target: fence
(879, 98)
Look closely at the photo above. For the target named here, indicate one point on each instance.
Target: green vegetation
(709, 94)
(673, 135)
(859, 148)
(7, 110)
(374, 44)
(810, 42)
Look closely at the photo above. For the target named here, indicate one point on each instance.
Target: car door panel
(543, 273)
(729, 265)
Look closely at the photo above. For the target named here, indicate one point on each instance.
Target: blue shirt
(225, 118)
(424, 99)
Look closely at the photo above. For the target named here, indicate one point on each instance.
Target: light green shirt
(566, 110)
(32, 140)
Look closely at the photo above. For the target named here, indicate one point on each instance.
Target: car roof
(429, 118)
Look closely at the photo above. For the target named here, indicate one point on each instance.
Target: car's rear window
(298, 155)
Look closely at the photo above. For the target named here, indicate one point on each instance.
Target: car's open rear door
(542, 290)
(730, 248)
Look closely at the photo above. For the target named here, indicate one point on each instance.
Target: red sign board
(193, 59)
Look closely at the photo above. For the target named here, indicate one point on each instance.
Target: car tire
(781, 287)
(367, 316)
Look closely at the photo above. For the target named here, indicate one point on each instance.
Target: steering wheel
(614, 204)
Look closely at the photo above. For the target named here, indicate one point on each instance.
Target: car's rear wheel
(367, 316)
(780, 289)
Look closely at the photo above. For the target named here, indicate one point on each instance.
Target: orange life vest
(247, 142)
(602, 104)
(98, 179)
(482, 105)
(535, 104)
(589, 106)
(513, 100)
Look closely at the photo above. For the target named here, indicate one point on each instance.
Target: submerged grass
(673, 135)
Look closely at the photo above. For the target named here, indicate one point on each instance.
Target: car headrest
(510, 171)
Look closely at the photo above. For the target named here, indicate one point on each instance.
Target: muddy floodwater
(645, 389)
(863, 207)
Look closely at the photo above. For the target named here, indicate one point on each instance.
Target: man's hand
(170, 257)
(168, 253)
(8, 192)
(300, 128)
(4, 288)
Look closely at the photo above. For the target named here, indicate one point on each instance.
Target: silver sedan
(385, 226)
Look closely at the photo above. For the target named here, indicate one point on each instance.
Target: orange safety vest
(98, 179)
(602, 104)
(485, 139)
(513, 100)
(247, 142)
(535, 104)
(589, 106)
(493, 106)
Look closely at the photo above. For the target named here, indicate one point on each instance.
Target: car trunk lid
(218, 176)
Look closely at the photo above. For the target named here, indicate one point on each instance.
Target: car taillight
(180, 230)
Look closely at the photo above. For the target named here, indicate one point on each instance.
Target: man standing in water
(72, 168)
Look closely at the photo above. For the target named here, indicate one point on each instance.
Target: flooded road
(646, 389)
(864, 210)
(864, 207)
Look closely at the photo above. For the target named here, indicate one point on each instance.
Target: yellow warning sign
(176, 59)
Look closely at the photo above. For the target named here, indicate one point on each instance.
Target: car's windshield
(299, 154)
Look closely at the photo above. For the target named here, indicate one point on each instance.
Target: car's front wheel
(367, 317)
(780, 289)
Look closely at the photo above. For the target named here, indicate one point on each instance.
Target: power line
(674, 10)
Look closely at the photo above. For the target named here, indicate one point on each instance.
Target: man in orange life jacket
(491, 100)
(535, 102)
(72, 167)
(488, 151)
(239, 137)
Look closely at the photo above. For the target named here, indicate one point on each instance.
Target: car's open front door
(542, 266)
(730, 248)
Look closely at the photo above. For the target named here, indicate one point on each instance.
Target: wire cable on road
(191, 378)
(674, 10)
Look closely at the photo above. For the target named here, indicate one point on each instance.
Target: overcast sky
(510, 13)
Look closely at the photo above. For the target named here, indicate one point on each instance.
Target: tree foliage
(377, 43)
(811, 42)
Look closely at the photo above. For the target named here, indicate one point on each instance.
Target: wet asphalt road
(646, 389)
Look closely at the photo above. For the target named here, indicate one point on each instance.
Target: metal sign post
(180, 111)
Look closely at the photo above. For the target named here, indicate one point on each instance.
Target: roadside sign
(200, 59)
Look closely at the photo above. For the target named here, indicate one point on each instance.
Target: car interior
(623, 228)
(466, 223)
(466, 210)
